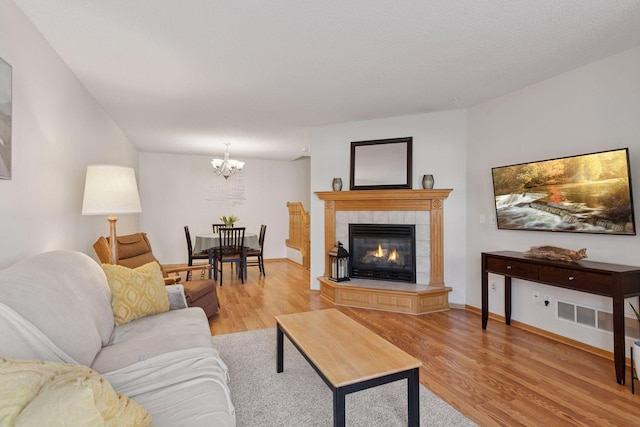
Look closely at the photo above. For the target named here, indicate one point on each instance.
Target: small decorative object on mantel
(337, 184)
(230, 220)
(556, 253)
(427, 182)
(339, 261)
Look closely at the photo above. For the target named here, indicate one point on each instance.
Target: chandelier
(226, 167)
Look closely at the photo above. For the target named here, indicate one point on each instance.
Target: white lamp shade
(110, 189)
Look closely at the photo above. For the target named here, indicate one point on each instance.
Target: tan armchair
(134, 250)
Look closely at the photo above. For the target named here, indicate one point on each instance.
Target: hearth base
(396, 297)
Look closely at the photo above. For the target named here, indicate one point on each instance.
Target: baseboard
(555, 337)
(290, 261)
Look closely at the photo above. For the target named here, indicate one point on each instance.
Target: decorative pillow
(40, 393)
(60, 407)
(177, 299)
(137, 292)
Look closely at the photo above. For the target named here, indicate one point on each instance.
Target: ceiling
(186, 76)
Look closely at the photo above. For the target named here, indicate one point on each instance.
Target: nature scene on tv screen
(589, 193)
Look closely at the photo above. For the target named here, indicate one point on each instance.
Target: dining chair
(192, 255)
(256, 254)
(231, 250)
(217, 227)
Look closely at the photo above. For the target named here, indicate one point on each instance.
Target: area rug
(298, 396)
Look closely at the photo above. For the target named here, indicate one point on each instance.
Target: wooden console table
(610, 280)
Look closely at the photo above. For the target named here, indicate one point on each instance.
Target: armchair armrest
(180, 268)
(172, 280)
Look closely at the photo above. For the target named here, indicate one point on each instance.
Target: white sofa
(56, 307)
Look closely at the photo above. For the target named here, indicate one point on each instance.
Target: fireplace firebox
(383, 252)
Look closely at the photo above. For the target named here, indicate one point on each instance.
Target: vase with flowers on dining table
(230, 220)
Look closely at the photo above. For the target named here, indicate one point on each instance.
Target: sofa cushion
(181, 388)
(200, 401)
(45, 289)
(136, 292)
(46, 393)
(151, 336)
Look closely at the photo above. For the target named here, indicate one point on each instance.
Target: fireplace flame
(378, 253)
(393, 256)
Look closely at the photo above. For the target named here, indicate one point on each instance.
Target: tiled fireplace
(422, 209)
(383, 252)
(419, 219)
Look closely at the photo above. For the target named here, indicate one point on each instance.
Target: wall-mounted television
(587, 193)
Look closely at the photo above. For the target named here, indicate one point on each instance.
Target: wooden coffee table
(348, 357)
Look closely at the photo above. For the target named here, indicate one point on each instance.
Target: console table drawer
(512, 268)
(582, 280)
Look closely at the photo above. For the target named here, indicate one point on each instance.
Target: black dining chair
(255, 256)
(193, 256)
(217, 227)
(231, 250)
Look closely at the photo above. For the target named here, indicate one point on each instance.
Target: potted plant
(229, 220)
(636, 344)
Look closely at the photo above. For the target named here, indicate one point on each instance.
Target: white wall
(302, 184)
(58, 129)
(178, 190)
(592, 108)
(439, 148)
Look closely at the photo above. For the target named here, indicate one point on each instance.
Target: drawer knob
(508, 267)
(571, 277)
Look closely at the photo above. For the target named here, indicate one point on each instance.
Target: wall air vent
(595, 318)
(586, 316)
(566, 311)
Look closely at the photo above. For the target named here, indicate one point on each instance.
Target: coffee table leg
(339, 418)
(280, 345)
(413, 390)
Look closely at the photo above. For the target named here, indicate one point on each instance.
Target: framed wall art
(585, 193)
(5, 120)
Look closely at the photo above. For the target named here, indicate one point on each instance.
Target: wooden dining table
(210, 241)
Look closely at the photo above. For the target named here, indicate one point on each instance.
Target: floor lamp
(110, 190)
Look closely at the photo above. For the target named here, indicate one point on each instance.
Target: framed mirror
(381, 164)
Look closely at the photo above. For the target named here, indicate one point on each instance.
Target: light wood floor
(503, 376)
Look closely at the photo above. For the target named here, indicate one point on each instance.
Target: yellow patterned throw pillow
(136, 292)
(37, 393)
